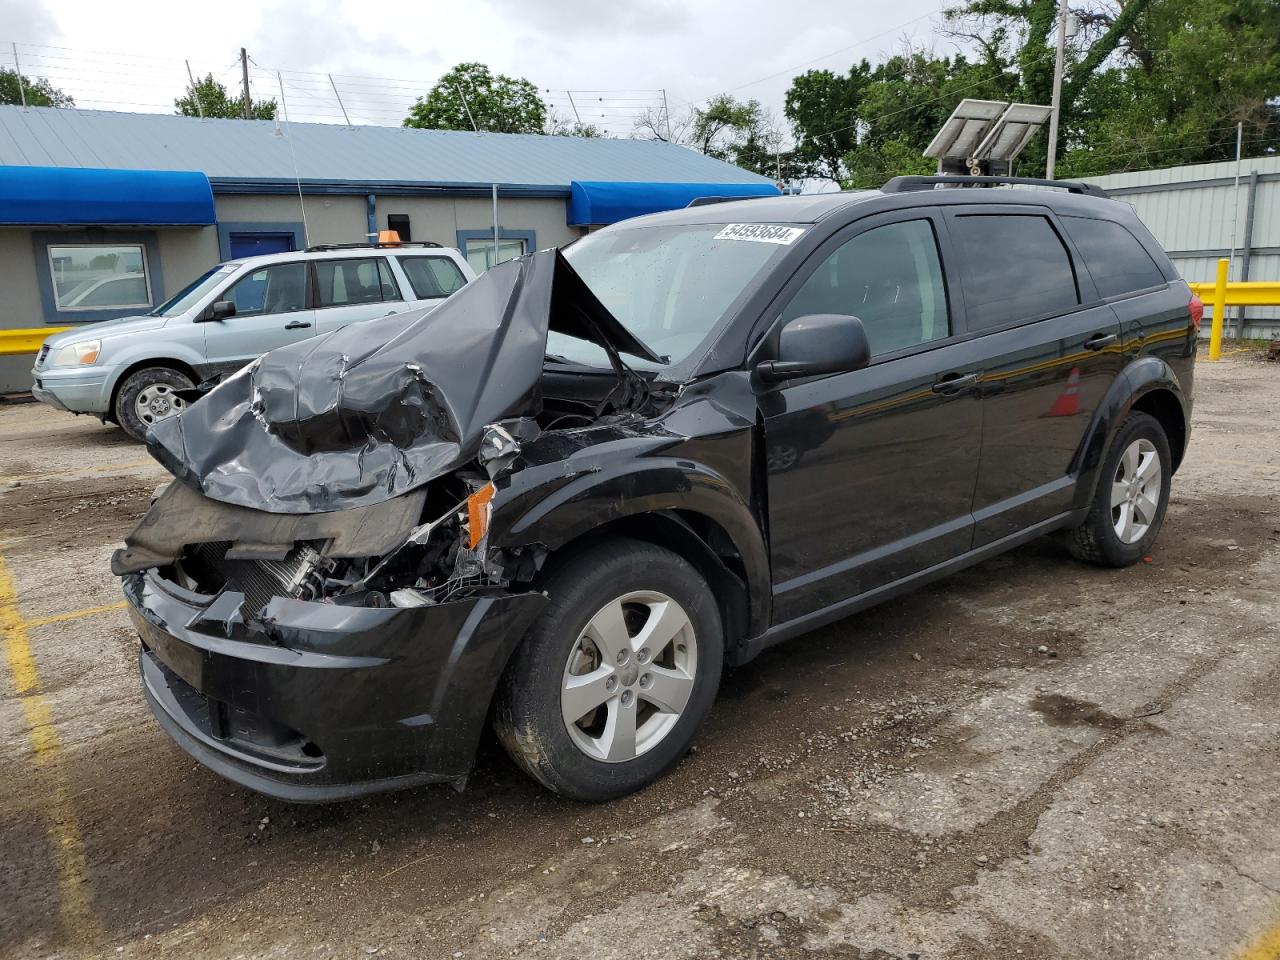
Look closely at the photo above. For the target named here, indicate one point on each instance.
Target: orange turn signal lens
(478, 510)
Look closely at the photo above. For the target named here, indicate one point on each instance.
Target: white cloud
(623, 51)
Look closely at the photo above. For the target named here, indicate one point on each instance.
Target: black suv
(564, 499)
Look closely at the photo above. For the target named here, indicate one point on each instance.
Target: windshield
(192, 293)
(668, 285)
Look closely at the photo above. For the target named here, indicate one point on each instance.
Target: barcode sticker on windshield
(760, 233)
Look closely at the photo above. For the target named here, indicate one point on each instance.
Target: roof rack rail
(906, 184)
(319, 247)
(707, 201)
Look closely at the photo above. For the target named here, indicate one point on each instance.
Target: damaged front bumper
(317, 702)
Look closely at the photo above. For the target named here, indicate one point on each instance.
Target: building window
(99, 276)
(480, 252)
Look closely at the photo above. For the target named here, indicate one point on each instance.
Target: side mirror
(220, 310)
(817, 344)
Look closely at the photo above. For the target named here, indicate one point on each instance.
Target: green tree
(39, 91)
(738, 132)
(558, 125)
(870, 124)
(1146, 83)
(1189, 72)
(469, 92)
(825, 112)
(216, 102)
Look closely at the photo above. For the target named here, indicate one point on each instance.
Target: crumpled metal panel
(373, 410)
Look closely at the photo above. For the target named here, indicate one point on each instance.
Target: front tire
(148, 396)
(1133, 492)
(609, 688)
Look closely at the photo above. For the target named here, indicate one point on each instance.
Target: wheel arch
(1149, 385)
(693, 537)
(1162, 404)
(688, 509)
(172, 363)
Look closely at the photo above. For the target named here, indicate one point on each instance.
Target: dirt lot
(1034, 758)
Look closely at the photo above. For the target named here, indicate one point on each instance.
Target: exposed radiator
(260, 580)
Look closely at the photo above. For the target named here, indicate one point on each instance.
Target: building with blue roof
(167, 197)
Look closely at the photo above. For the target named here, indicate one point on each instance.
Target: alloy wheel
(1135, 491)
(629, 676)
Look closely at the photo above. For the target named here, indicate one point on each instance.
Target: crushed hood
(376, 409)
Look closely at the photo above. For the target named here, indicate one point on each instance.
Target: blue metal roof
(249, 152)
(53, 195)
(596, 202)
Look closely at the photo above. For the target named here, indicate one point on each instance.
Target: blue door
(256, 244)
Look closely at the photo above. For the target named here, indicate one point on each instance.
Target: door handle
(297, 325)
(953, 383)
(1100, 340)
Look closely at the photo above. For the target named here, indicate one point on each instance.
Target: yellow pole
(1219, 309)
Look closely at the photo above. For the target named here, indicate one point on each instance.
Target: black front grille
(44, 352)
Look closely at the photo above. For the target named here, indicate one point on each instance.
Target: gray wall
(186, 252)
(439, 219)
(1197, 214)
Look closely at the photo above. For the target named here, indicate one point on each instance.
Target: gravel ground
(1034, 758)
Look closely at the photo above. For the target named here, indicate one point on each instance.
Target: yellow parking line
(79, 919)
(74, 615)
(1265, 947)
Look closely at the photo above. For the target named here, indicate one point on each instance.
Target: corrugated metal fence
(1197, 211)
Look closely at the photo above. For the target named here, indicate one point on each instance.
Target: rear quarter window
(1014, 267)
(1117, 261)
(432, 277)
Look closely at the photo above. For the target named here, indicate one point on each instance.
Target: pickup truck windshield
(191, 294)
(669, 285)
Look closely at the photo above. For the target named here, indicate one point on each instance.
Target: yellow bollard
(1219, 309)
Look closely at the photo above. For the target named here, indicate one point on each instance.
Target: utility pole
(1056, 103)
(338, 96)
(666, 113)
(22, 90)
(577, 118)
(195, 91)
(467, 107)
(248, 104)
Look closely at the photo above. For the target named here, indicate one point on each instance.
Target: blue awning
(594, 202)
(76, 195)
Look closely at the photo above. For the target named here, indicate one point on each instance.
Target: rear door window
(1118, 263)
(1014, 267)
(432, 277)
(343, 283)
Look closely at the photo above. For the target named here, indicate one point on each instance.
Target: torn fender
(371, 411)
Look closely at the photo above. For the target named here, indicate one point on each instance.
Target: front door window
(280, 288)
(889, 278)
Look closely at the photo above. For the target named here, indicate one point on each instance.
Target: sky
(615, 56)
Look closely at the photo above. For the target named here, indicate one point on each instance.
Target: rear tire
(146, 397)
(593, 713)
(1133, 492)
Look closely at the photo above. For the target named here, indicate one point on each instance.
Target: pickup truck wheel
(614, 679)
(1133, 492)
(148, 396)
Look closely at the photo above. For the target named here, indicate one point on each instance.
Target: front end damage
(321, 608)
